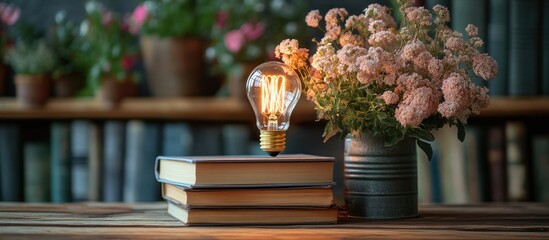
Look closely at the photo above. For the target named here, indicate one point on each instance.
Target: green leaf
(391, 141)
(461, 131)
(329, 131)
(422, 134)
(427, 149)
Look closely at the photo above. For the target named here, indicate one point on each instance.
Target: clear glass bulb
(273, 89)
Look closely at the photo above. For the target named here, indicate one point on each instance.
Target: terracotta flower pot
(68, 85)
(237, 80)
(112, 91)
(32, 90)
(175, 66)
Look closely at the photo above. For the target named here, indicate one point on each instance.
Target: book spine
(207, 140)
(481, 139)
(113, 165)
(79, 151)
(497, 163)
(424, 178)
(435, 170)
(60, 162)
(524, 25)
(545, 50)
(498, 43)
(10, 164)
(465, 12)
(472, 177)
(517, 188)
(540, 145)
(236, 139)
(143, 142)
(429, 4)
(452, 166)
(37, 171)
(95, 159)
(177, 139)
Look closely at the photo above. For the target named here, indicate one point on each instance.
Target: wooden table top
(151, 221)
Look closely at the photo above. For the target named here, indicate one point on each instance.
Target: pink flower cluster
(9, 14)
(236, 39)
(416, 75)
(138, 18)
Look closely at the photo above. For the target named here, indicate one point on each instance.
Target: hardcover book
(245, 171)
(252, 216)
(60, 162)
(249, 197)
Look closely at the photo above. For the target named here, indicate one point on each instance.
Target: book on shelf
(95, 161)
(452, 166)
(37, 171)
(524, 28)
(79, 160)
(11, 177)
(143, 140)
(320, 196)
(497, 163)
(177, 139)
(245, 171)
(545, 50)
(207, 139)
(498, 43)
(113, 160)
(540, 163)
(465, 12)
(60, 162)
(236, 139)
(517, 186)
(424, 190)
(252, 216)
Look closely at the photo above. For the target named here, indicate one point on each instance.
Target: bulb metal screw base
(272, 142)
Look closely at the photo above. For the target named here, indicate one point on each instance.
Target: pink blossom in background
(234, 40)
(252, 31)
(9, 14)
(128, 62)
(140, 14)
(106, 17)
(221, 19)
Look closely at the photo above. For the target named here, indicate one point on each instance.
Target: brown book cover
(245, 171)
(497, 163)
(252, 216)
(320, 196)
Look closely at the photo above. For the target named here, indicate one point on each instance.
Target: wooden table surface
(151, 221)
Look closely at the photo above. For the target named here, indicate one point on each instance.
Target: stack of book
(236, 190)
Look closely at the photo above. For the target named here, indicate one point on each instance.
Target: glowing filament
(272, 95)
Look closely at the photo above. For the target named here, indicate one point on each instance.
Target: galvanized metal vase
(380, 182)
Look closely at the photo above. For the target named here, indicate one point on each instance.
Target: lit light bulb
(273, 89)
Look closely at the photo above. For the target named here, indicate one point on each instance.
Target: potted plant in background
(385, 89)
(174, 36)
(107, 49)
(245, 34)
(67, 76)
(9, 14)
(32, 63)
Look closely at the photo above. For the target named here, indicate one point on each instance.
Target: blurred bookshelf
(212, 109)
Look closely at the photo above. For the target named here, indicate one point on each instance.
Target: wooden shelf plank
(190, 109)
(217, 109)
